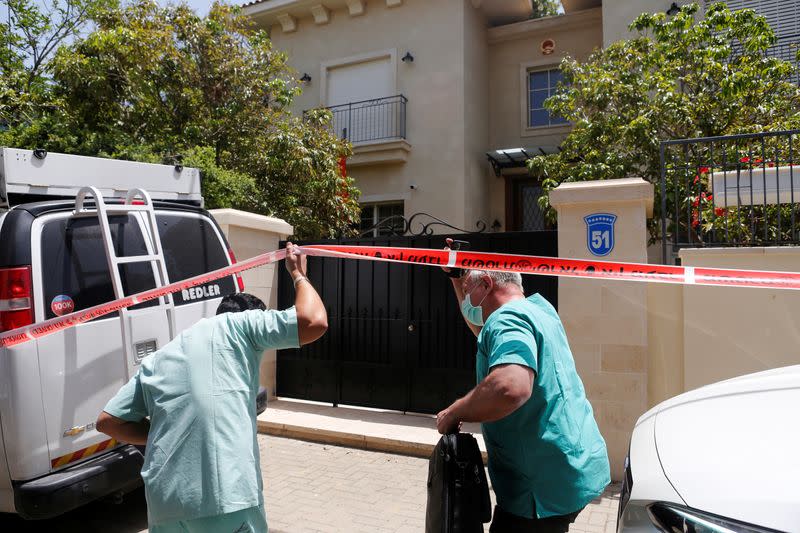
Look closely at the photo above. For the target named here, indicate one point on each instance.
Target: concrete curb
(350, 440)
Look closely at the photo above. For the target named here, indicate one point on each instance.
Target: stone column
(606, 321)
(250, 235)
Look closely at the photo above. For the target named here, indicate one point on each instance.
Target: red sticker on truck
(62, 305)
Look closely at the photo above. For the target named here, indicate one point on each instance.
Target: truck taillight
(16, 298)
(239, 280)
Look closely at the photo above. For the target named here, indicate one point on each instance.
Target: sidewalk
(319, 488)
(366, 429)
(312, 488)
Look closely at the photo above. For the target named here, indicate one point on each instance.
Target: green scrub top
(200, 394)
(548, 455)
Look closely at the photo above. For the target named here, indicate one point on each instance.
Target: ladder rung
(111, 210)
(136, 259)
(125, 208)
(166, 307)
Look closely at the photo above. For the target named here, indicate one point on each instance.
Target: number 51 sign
(600, 233)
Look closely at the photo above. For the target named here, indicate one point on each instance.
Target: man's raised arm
(312, 319)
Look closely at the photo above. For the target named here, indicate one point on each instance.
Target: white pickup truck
(59, 249)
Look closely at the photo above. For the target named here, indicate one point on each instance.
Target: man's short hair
(500, 278)
(242, 301)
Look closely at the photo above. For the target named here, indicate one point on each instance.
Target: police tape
(524, 264)
(570, 268)
(53, 325)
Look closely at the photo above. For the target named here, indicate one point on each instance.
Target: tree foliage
(29, 39)
(152, 83)
(545, 8)
(683, 76)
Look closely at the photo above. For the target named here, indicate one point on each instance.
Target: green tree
(152, 83)
(545, 8)
(29, 38)
(683, 76)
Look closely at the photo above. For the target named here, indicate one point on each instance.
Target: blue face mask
(473, 314)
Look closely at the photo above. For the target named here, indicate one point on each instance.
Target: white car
(724, 457)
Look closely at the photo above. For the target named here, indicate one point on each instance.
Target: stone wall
(606, 321)
(637, 344)
(249, 235)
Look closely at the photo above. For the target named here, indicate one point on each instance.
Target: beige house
(429, 91)
(442, 99)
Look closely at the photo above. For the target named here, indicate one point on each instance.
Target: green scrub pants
(250, 520)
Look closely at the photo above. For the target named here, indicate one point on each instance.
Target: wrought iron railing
(371, 120)
(417, 225)
(736, 190)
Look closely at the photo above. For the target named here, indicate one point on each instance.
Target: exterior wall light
(408, 58)
(673, 9)
(306, 78)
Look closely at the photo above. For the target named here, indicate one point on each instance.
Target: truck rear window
(192, 247)
(75, 271)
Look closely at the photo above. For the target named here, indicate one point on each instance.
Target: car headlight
(671, 518)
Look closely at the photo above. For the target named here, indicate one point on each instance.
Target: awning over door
(506, 158)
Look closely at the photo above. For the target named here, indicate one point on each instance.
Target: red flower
(696, 202)
(720, 212)
(696, 179)
(695, 223)
(758, 161)
(745, 159)
(770, 164)
(704, 170)
(710, 198)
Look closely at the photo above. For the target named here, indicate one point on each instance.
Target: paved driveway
(321, 488)
(315, 488)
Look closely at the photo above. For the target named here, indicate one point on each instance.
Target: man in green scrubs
(193, 403)
(547, 459)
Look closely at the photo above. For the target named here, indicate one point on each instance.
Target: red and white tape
(571, 268)
(524, 264)
(42, 329)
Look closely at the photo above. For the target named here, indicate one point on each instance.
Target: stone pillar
(606, 321)
(250, 235)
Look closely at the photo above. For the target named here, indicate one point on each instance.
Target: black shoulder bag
(458, 493)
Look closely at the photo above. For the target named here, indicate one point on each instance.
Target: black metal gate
(396, 339)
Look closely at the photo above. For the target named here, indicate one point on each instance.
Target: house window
(542, 85)
(372, 214)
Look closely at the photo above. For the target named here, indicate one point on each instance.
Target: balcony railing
(735, 190)
(371, 120)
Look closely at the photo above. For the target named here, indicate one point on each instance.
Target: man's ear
(487, 279)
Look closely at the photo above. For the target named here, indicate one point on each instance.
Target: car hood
(733, 448)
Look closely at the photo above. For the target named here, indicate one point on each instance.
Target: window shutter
(783, 15)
